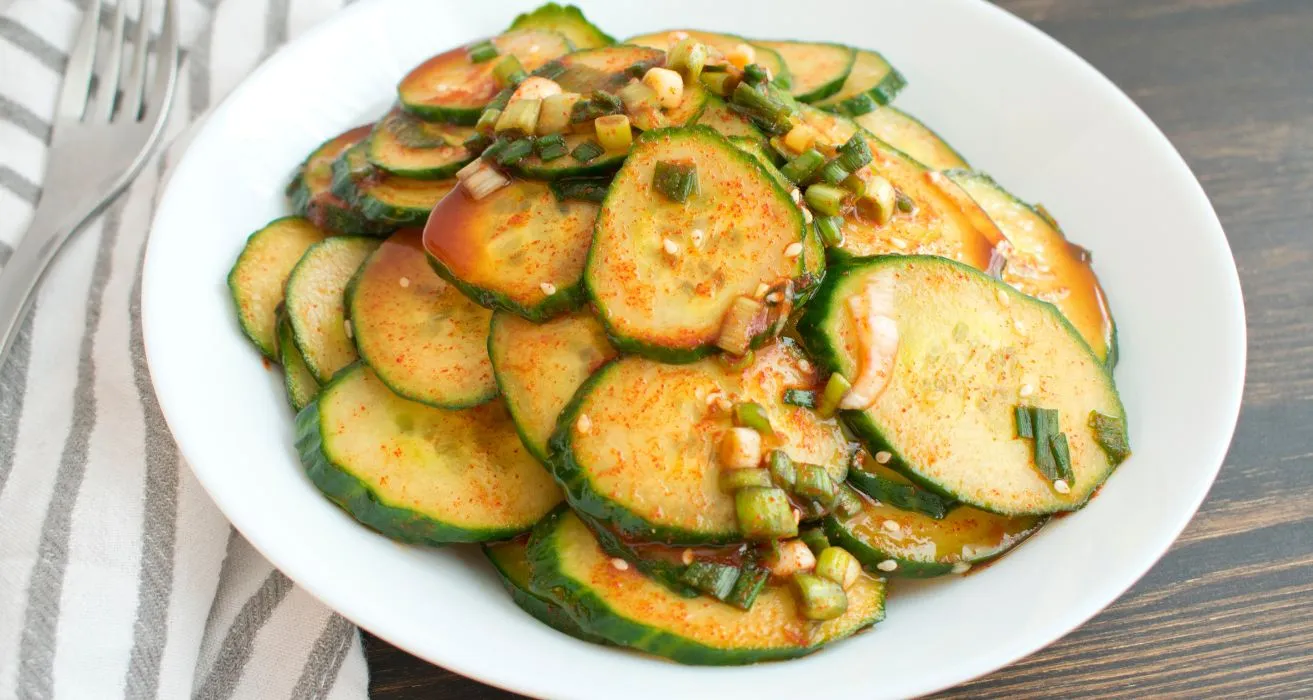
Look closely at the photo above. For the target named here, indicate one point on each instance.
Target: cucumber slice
(816, 70)
(629, 609)
(636, 446)
(316, 302)
(904, 132)
(259, 277)
(729, 123)
(419, 334)
(420, 474)
(567, 166)
(969, 347)
(450, 87)
(922, 547)
(540, 366)
(517, 249)
(766, 57)
(936, 225)
(385, 200)
(300, 384)
(312, 195)
(871, 83)
(1043, 264)
(567, 21)
(510, 559)
(404, 145)
(608, 69)
(670, 306)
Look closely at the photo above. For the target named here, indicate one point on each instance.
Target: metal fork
(96, 149)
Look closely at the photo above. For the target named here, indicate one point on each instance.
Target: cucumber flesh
(816, 70)
(510, 560)
(729, 123)
(517, 249)
(258, 278)
(312, 195)
(970, 349)
(316, 302)
(300, 384)
(629, 609)
(539, 366)
(642, 462)
(404, 145)
(670, 305)
(871, 83)
(607, 69)
(567, 21)
(387, 201)
(686, 112)
(419, 334)
(904, 132)
(420, 474)
(724, 43)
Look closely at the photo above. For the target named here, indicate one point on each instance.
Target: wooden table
(1229, 611)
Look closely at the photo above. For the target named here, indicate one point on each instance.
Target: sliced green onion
(877, 203)
(854, 184)
(768, 113)
(855, 154)
(800, 397)
(520, 117)
(752, 415)
(752, 579)
(826, 199)
(746, 319)
(550, 147)
(584, 189)
(716, 580)
(822, 599)
(846, 501)
(833, 173)
(835, 388)
(764, 513)
(732, 480)
(688, 57)
(899, 494)
(720, 83)
(804, 167)
(754, 74)
(476, 143)
(1062, 457)
(487, 123)
(677, 181)
(814, 483)
(815, 539)
(514, 152)
(1110, 433)
(598, 104)
(508, 71)
(554, 117)
(838, 565)
(483, 51)
(1025, 422)
(903, 203)
(551, 70)
(830, 229)
(587, 151)
(493, 149)
(1046, 426)
(638, 97)
(782, 470)
(614, 132)
(502, 99)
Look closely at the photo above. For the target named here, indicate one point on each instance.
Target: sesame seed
(687, 557)
(797, 195)
(619, 564)
(898, 243)
(794, 250)
(670, 246)
(346, 326)
(807, 215)
(1061, 486)
(892, 526)
(1003, 298)
(548, 288)
(883, 457)
(1026, 390)
(696, 235)
(405, 282)
(1021, 327)
(961, 567)
(887, 565)
(583, 424)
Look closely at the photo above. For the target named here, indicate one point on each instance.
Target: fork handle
(49, 230)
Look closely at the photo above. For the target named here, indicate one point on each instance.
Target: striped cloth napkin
(118, 576)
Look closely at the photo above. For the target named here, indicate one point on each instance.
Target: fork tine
(130, 104)
(77, 79)
(110, 68)
(166, 68)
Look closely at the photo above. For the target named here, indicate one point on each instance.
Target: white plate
(1017, 103)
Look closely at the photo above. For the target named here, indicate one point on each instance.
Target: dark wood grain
(1229, 611)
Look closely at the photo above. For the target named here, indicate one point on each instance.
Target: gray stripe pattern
(237, 645)
(325, 660)
(24, 118)
(36, 651)
(13, 389)
(40, 49)
(19, 185)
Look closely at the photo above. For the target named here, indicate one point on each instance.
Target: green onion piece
(638, 97)
(520, 117)
(587, 151)
(1046, 426)
(838, 565)
(677, 181)
(483, 51)
(606, 102)
(754, 74)
(551, 70)
(822, 599)
(584, 189)
(782, 470)
(716, 580)
(1025, 422)
(514, 152)
(551, 152)
(903, 203)
(846, 502)
(508, 71)
(493, 149)
(552, 141)
(854, 184)
(830, 229)
(732, 480)
(826, 199)
(752, 415)
(752, 579)
(833, 173)
(815, 483)
(899, 495)
(487, 121)
(721, 84)
(764, 513)
(835, 388)
(858, 105)
(1110, 433)
(502, 99)
(804, 167)
(1062, 456)
(855, 154)
(614, 132)
(815, 539)
(800, 397)
(476, 143)
(768, 113)
(688, 57)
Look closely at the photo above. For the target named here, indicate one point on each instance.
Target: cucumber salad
(702, 340)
